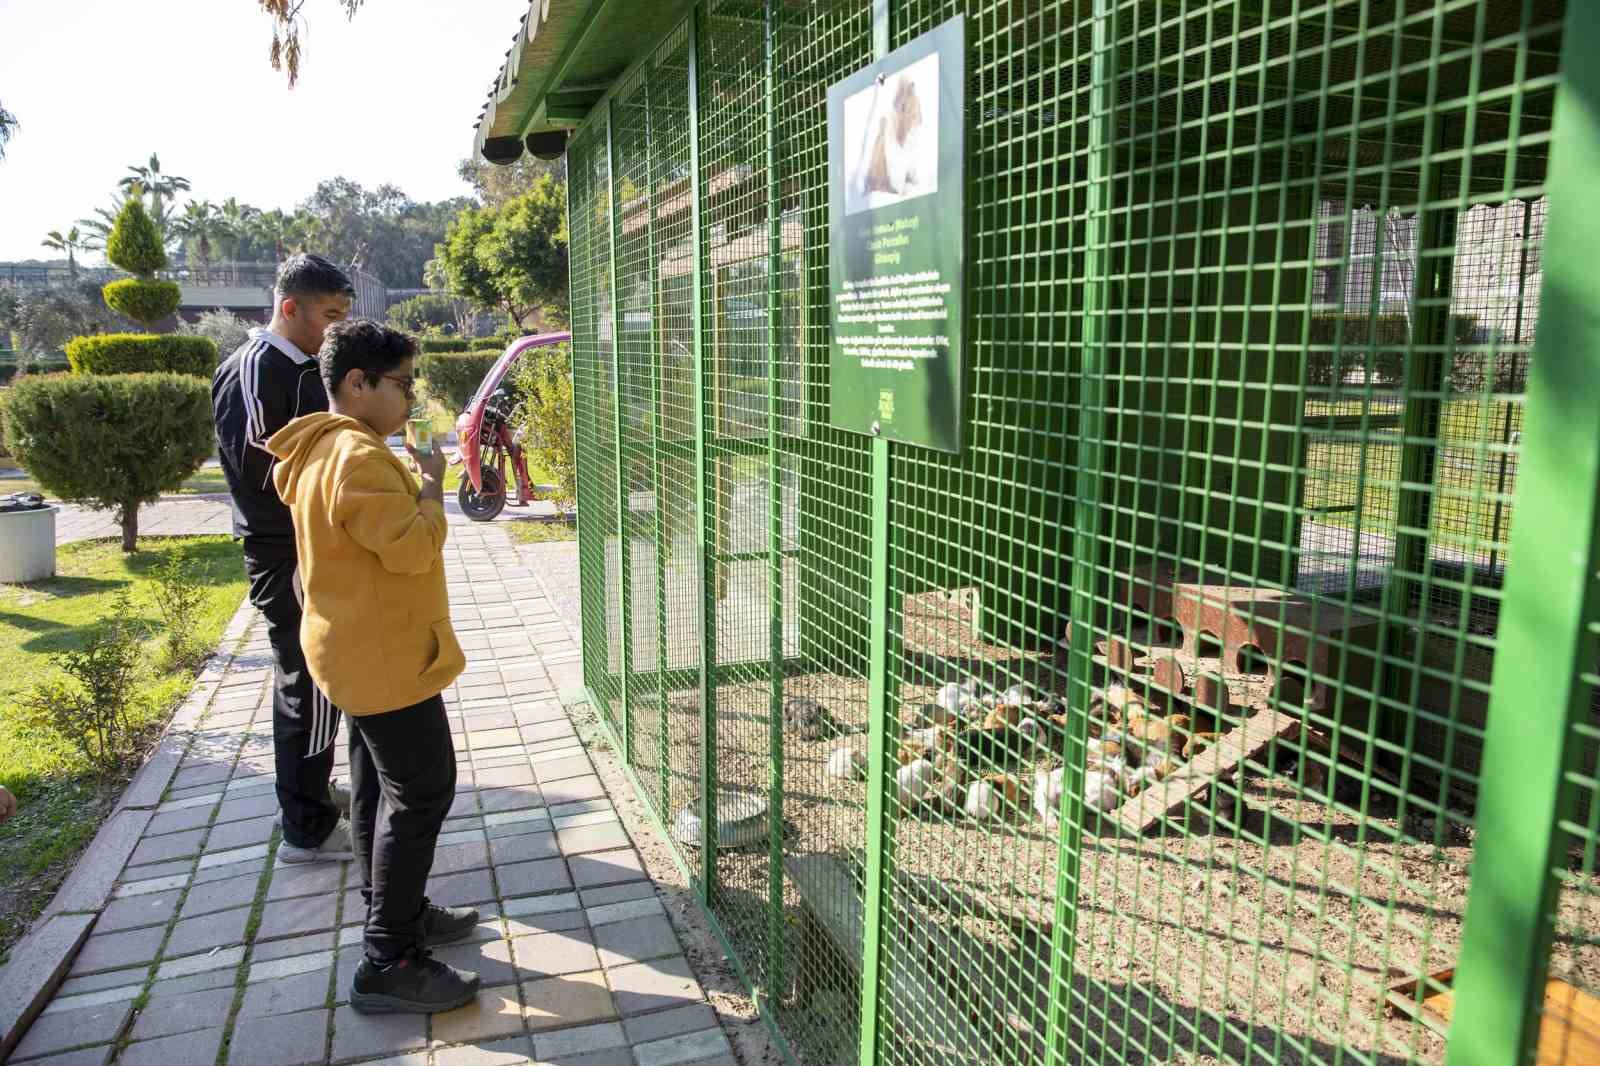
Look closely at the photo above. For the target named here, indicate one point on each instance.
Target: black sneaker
(415, 983)
(442, 925)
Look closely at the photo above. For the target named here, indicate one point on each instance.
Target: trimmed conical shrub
(135, 243)
(141, 300)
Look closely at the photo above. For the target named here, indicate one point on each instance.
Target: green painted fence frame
(1506, 941)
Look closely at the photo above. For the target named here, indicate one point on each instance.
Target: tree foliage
(455, 266)
(111, 443)
(513, 256)
(494, 185)
(223, 328)
(544, 378)
(382, 230)
(8, 129)
(287, 24)
(41, 321)
(72, 242)
(430, 313)
(163, 190)
(135, 244)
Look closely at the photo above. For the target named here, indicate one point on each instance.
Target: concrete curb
(41, 959)
(37, 967)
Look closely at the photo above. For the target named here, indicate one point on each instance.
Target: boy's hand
(431, 465)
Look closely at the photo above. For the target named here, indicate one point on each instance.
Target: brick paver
(578, 958)
(173, 516)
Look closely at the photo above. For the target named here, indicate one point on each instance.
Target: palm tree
(283, 233)
(71, 243)
(160, 187)
(97, 227)
(237, 220)
(8, 129)
(199, 225)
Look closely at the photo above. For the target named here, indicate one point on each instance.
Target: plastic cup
(419, 434)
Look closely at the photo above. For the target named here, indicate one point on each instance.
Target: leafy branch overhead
(512, 256)
(8, 129)
(286, 26)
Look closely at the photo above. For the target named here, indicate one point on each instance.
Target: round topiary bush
(135, 242)
(141, 300)
(111, 443)
(142, 353)
(452, 377)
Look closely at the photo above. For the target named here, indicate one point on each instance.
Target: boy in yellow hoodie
(378, 640)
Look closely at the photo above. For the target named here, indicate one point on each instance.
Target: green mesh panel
(1255, 294)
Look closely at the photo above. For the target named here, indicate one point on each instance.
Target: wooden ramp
(1568, 1036)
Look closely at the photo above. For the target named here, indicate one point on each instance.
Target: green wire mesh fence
(1179, 675)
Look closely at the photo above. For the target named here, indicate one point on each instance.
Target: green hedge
(452, 377)
(439, 345)
(110, 442)
(1376, 341)
(143, 301)
(142, 353)
(8, 370)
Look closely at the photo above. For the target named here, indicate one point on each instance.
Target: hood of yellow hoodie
(293, 445)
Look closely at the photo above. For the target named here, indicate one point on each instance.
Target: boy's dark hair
(306, 275)
(364, 345)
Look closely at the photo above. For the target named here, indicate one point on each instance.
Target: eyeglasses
(407, 384)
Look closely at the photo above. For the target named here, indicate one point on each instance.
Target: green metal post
(1101, 168)
(1424, 383)
(702, 490)
(657, 411)
(878, 708)
(775, 911)
(590, 543)
(1505, 432)
(624, 544)
(1546, 642)
(878, 763)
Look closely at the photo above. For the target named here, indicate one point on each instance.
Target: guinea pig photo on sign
(891, 133)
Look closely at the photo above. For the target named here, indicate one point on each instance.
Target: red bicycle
(486, 442)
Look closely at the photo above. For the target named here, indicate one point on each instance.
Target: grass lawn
(1467, 497)
(61, 804)
(528, 531)
(15, 479)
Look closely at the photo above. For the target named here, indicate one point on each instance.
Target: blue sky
(99, 84)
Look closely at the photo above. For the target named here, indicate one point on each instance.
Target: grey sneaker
(338, 795)
(336, 848)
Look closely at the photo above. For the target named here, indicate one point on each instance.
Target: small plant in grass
(91, 707)
(178, 597)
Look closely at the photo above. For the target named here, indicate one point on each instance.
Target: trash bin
(27, 538)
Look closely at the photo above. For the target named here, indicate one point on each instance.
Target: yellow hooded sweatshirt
(376, 627)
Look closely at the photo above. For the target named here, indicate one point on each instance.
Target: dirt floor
(1266, 915)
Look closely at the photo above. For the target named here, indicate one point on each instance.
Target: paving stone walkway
(173, 516)
(208, 953)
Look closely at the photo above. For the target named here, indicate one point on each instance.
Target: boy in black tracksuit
(272, 379)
